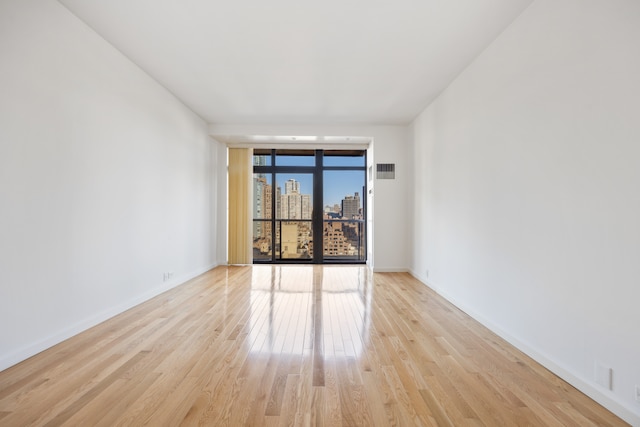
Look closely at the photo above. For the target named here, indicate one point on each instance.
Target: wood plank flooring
(291, 345)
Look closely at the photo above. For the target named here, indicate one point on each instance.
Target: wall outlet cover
(604, 376)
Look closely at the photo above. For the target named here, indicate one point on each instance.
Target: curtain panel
(240, 173)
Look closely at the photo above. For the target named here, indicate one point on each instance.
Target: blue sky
(337, 184)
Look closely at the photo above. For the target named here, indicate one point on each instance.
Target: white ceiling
(301, 61)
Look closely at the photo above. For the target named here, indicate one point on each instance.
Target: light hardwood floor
(291, 345)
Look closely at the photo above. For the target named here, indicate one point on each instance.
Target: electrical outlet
(427, 273)
(604, 376)
(638, 393)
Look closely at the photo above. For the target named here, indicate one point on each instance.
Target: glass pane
(283, 206)
(262, 240)
(295, 240)
(294, 195)
(261, 157)
(343, 158)
(262, 196)
(343, 194)
(344, 240)
(295, 158)
(343, 236)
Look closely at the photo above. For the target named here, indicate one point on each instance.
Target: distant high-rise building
(334, 240)
(258, 204)
(278, 201)
(294, 205)
(306, 206)
(351, 206)
(262, 209)
(260, 160)
(289, 242)
(292, 187)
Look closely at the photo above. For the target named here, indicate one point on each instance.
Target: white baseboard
(390, 270)
(608, 400)
(26, 352)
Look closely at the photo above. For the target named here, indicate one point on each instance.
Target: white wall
(391, 201)
(220, 205)
(104, 181)
(390, 248)
(527, 191)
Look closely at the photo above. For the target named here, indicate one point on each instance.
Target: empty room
(320, 213)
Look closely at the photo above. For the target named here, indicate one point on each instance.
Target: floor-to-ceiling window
(309, 206)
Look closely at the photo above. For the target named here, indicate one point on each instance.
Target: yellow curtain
(240, 173)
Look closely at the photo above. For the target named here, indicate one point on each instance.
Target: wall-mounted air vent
(385, 171)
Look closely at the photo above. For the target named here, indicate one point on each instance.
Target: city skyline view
(337, 185)
(287, 225)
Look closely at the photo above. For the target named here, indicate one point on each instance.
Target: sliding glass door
(343, 219)
(294, 223)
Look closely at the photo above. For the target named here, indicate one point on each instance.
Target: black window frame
(317, 218)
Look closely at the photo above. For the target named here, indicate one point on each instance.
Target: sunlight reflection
(310, 309)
